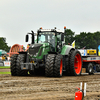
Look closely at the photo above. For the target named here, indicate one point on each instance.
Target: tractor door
(59, 43)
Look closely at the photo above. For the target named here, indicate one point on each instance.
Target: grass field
(5, 72)
(4, 67)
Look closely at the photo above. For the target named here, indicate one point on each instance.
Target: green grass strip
(5, 72)
(4, 67)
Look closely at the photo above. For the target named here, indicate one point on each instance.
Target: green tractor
(49, 56)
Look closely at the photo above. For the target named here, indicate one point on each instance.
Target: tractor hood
(37, 49)
(35, 45)
(38, 45)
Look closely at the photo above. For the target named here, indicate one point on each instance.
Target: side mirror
(62, 37)
(27, 38)
(32, 38)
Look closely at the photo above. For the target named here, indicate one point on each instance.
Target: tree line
(83, 40)
(88, 40)
(4, 45)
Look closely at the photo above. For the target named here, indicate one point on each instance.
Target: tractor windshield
(47, 37)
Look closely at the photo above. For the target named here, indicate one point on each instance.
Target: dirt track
(5, 70)
(45, 88)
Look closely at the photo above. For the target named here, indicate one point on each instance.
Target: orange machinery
(15, 49)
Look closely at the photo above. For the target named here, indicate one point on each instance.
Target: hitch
(27, 66)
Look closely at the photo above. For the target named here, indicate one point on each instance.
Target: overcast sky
(18, 17)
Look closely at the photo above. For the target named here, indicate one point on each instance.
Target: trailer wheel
(75, 63)
(13, 65)
(21, 59)
(50, 61)
(58, 67)
(90, 69)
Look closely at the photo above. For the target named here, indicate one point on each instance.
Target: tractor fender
(66, 49)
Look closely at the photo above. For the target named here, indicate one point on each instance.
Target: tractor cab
(53, 37)
(46, 38)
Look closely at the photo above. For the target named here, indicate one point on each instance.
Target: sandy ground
(47, 88)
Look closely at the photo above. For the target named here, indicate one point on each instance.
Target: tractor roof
(50, 30)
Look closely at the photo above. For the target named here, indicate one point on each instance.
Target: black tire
(67, 72)
(58, 67)
(49, 66)
(21, 59)
(90, 69)
(75, 63)
(13, 65)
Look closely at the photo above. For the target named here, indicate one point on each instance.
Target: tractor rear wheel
(21, 59)
(75, 63)
(58, 67)
(49, 66)
(13, 65)
(67, 63)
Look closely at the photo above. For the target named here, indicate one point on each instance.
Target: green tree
(86, 40)
(96, 37)
(69, 36)
(3, 44)
(90, 42)
(80, 40)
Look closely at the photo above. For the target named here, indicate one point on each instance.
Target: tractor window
(41, 38)
(59, 38)
(47, 37)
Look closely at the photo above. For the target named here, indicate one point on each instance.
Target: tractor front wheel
(49, 66)
(13, 65)
(21, 59)
(58, 68)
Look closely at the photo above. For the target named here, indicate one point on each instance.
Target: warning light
(64, 27)
(40, 27)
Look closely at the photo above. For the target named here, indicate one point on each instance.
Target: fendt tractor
(49, 55)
